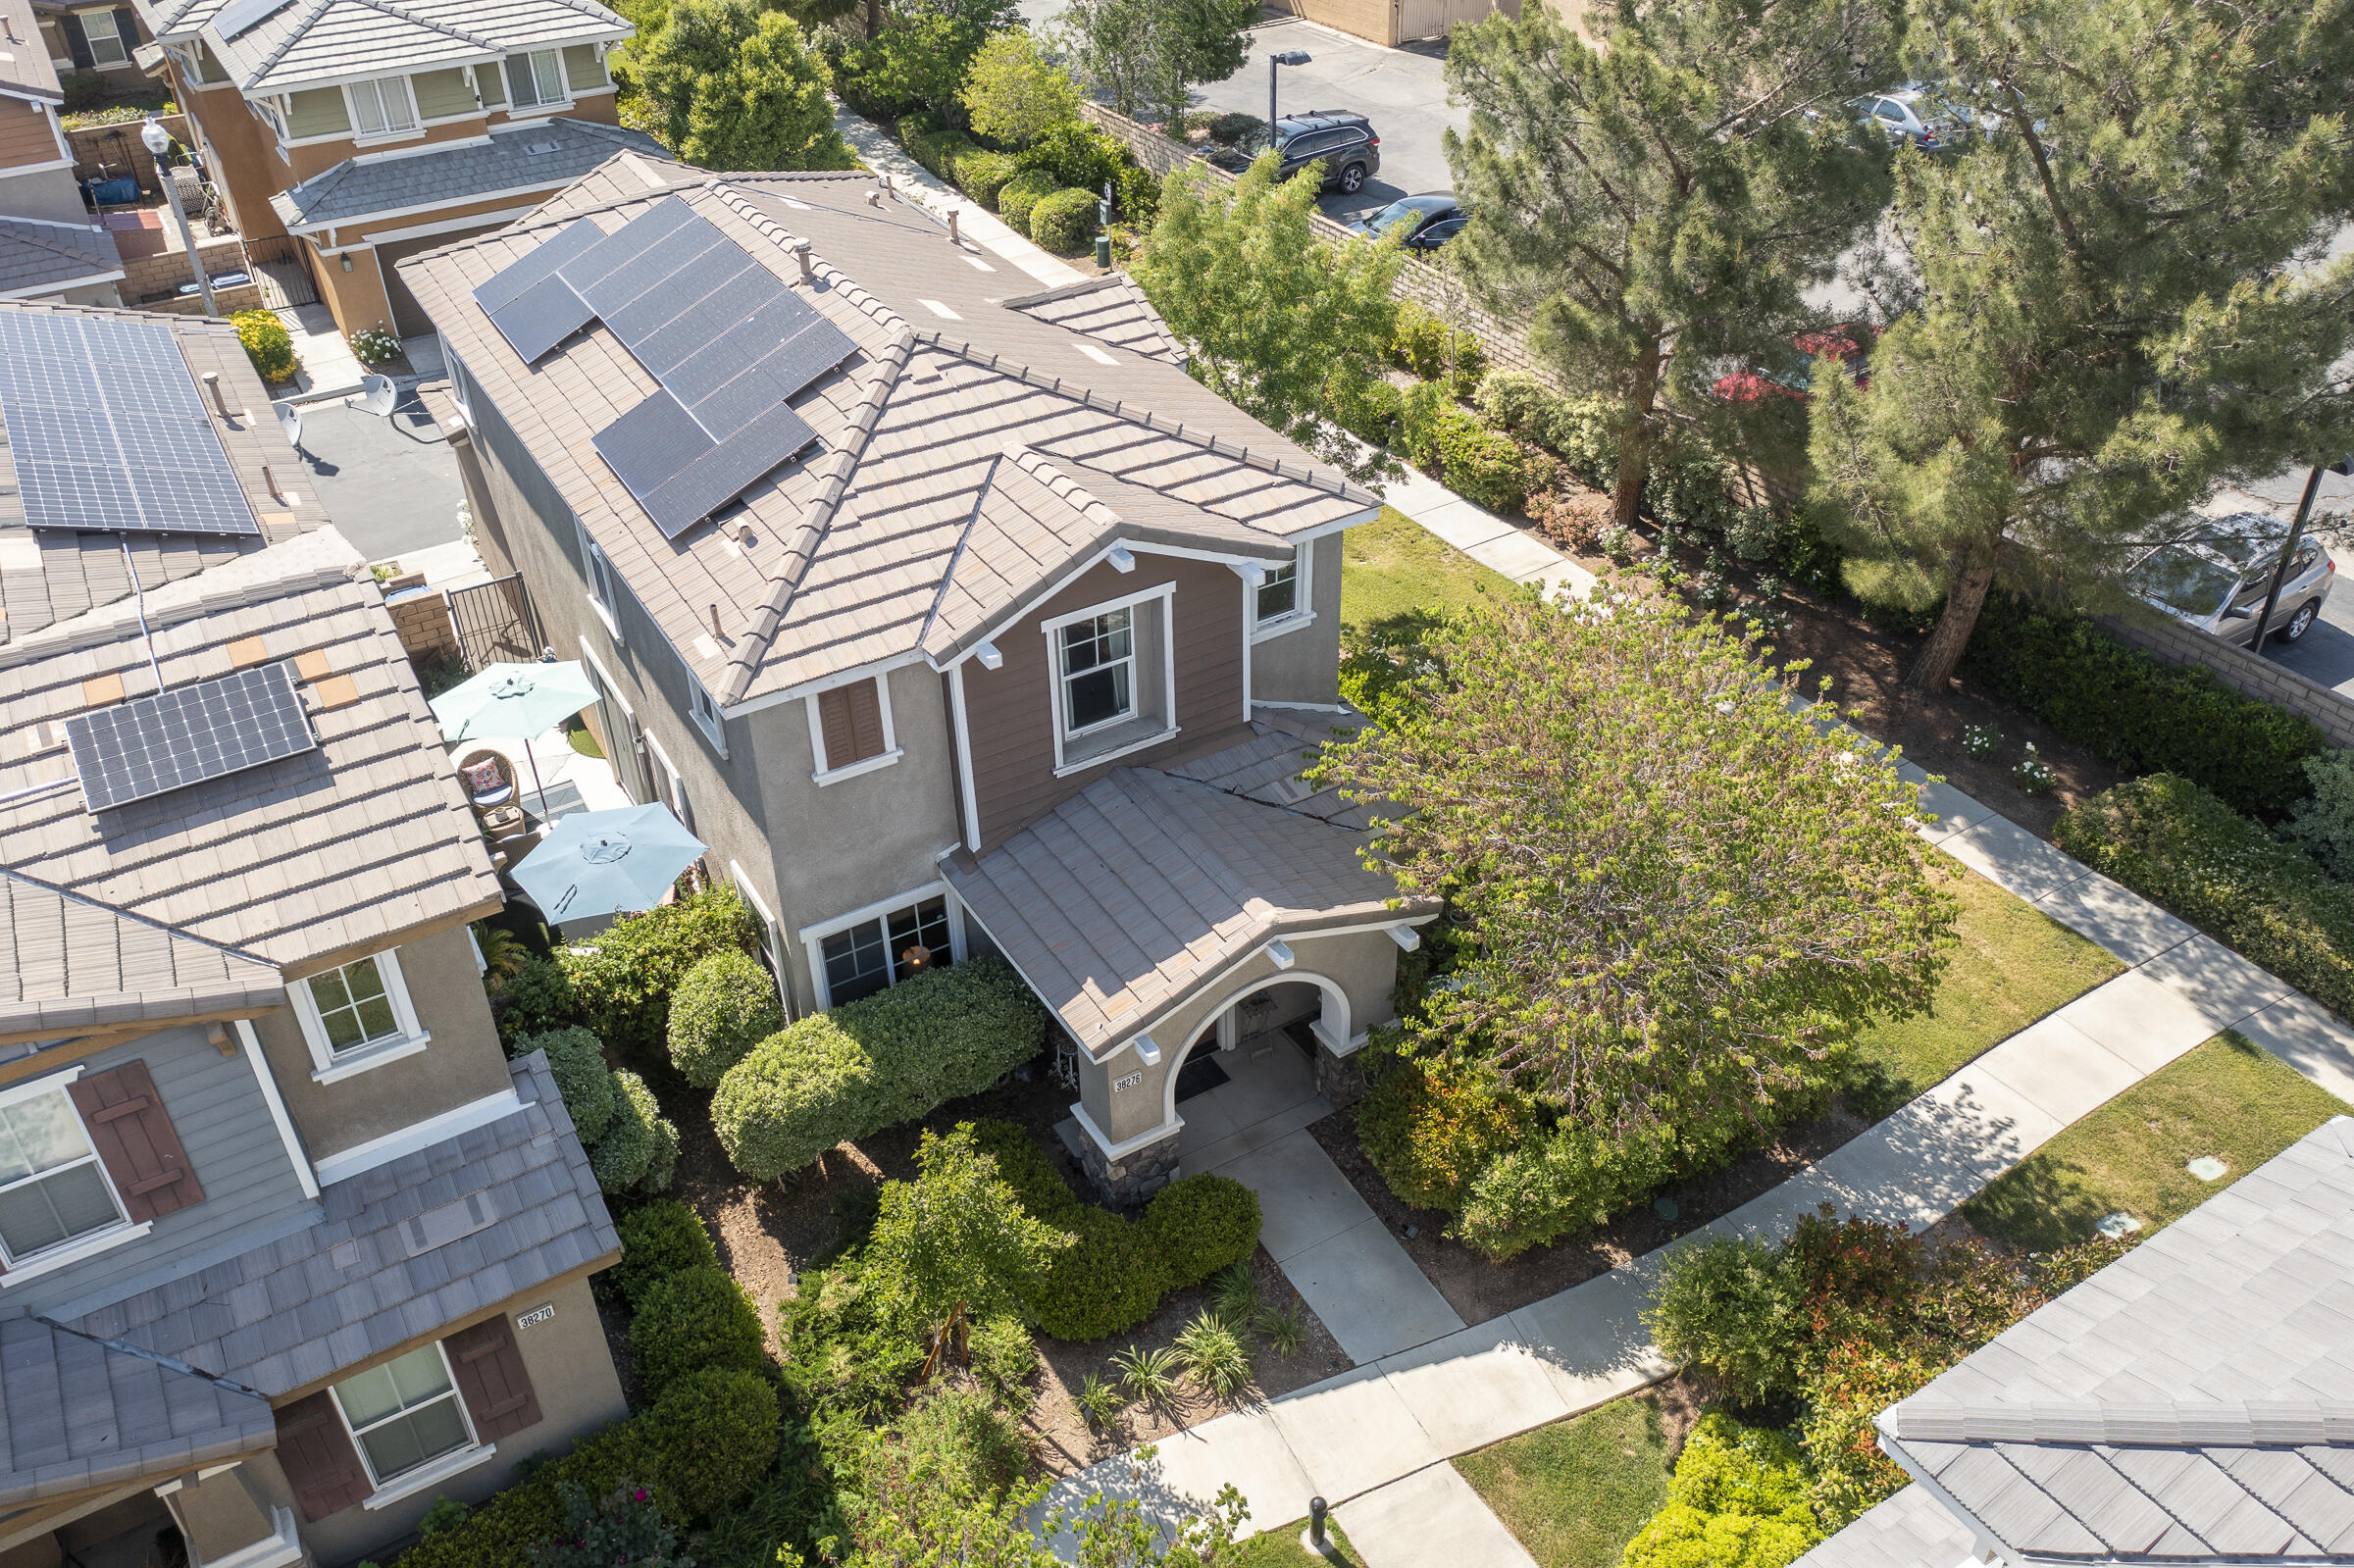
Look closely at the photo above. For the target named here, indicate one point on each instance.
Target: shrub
(956, 1439)
(2139, 713)
(1214, 1356)
(1026, 1167)
(873, 1063)
(1018, 195)
(1844, 1401)
(658, 1241)
(1004, 1361)
(624, 1155)
(1560, 1186)
(1432, 1128)
(1064, 222)
(622, 1527)
(1420, 342)
(578, 1064)
(725, 1006)
(982, 174)
(267, 345)
(622, 980)
(1485, 466)
(1573, 518)
(2323, 823)
(446, 1513)
(1686, 488)
(536, 998)
(939, 151)
(1016, 93)
(1198, 1225)
(2182, 847)
(1111, 1281)
(1077, 154)
(1577, 430)
(692, 1319)
(1738, 1500)
(1731, 1304)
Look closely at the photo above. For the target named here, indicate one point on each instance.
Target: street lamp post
(1288, 57)
(2296, 533)
(158, 141)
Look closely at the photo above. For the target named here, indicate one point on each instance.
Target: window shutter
(127, 27)
(319, 1462)
(492, 1379)
(518, 71)
(835, 722)
(866, 719)
(135, 1141)
(77, 43)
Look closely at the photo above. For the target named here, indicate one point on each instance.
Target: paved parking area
(389, 481)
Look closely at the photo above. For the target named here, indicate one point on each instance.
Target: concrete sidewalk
(1491, 540)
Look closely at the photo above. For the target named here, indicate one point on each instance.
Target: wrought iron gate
(279, 263)
(494, 622)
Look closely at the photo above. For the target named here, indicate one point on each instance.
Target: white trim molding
(965, 782)
(813, 937)
(330, 1066)
(432, 1475)
(361, 1158)
(89, 1247)
(278, 1118)
(891, 750)
(1056, 681)
(1116, 1152)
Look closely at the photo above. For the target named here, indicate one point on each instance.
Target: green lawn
(1392, 566)
(1576, 1492)
(2227, 1099)
(1280, 1547)
(2012, 965)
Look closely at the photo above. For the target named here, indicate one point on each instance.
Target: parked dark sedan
(1344, 144)
(1427, 221)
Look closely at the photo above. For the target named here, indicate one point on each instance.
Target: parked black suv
(1427, 221)
(1346, 143)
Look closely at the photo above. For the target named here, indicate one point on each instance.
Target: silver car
(2216, 575)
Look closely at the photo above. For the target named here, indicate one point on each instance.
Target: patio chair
(487, 778)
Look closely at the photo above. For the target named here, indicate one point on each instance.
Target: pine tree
(2112, 300)
(1655, 207)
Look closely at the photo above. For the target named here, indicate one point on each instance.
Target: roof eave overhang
(267, 82)
(133, 1012)
(36, 291)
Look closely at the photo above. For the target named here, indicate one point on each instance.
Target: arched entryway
(1255, 1051)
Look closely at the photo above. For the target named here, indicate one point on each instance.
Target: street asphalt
(389, 481)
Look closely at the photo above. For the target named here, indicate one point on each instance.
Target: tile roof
(25, 69)
(36, 255)
(312, 42)
(1910, 1529)
(1110, 309)
(67, 966)
(1266, 768)
(623, 176)
(531, 155)
(2192, 1403)
(77, 1414)
(1126, 896)
(838, 560)
(50, 575)
(399, 1251)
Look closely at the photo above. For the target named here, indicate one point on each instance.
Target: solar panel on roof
(241, 14)
(186, 735)
(571, 241)
(651, 442)
(108, 431)
(725, 471)
(541, 317)
(642, 233)
(731, 354)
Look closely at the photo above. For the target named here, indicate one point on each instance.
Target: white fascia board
(328, 226)
(826, 683)
(997, 622)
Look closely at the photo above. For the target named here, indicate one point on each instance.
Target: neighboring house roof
(25, 69)
(77, 1414)
(1910, 1529)
(312, 42)
(41, 258)
(1266, 768)
(1127, 896)
(2191, 1404)
(624, 176)
(69, 966)
(529, 155)
(399, 1252)
(837, 561)
(1110, 309)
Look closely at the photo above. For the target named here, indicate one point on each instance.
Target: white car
(1914, 114)
(2217, 575)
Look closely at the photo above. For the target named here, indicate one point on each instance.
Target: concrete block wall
(107, 152)
(422, 622)
(228, 301)
(161, 274)
(2243, 672)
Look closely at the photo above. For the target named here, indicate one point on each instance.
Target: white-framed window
(869, 949)
(850, 730)
(770, 935)
(357, 1016)
(707, 717)
(1114, 677)
(1097, 663)
(1281, 602)
(669, 785)
(267, 112)
(536, 81)
(405, 1414)
(604, 592)
(383, 107)
(54, 1193)
(105, 38)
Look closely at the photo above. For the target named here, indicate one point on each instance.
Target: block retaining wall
(2243, 672)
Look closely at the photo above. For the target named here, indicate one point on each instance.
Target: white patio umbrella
(516, 699)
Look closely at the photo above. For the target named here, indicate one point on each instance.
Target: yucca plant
(1214, 1356)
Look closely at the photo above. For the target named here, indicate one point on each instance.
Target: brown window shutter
(317, 1455)
(135, 1141)
(834, 723)
(866, 719)
(492, 1379)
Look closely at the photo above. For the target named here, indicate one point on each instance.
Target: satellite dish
(290, 420)
(378, 394)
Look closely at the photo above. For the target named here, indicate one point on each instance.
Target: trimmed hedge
(2142, 713)
(533, 1000)
(725, 1006)
(2184, 849)
(639, 1149)
(706, 1443)
(1488, 468)
(623, 979)
(658, 1241)
(1198, 1225)
(1111, 1281)
(1017, 196)
(266, 344)
(577, 1059)
(1738, 1500)
(982, 174)
(691, 1320)
(873, 1063)
(1064, 222)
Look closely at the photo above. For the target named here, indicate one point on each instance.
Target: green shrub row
(1064, 222)
(1017, 195)
(1738, 1500)
(658, 1241)
(691, 1320)
(870, 1064)
(725, 1006)
(2140, 713)
(2184, 849)
(633, 1147)
(623, 978)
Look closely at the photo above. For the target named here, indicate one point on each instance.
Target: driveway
(389, 481)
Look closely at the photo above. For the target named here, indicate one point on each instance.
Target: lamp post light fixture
(2297, 535)
(1287, 57)
(158, 141)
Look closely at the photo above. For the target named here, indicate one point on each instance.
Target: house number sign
(1130, 1082)
(539, 1314)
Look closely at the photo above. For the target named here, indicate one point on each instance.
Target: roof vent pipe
(874, 199)
(954, 238)
(800, 253)
(212, 384)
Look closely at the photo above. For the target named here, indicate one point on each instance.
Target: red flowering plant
(622, 1529)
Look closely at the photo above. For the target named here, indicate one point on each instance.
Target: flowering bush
(373, 346)
(619, 1529)
(267, 345)
(2034, 774)
(1981, 740)
(1738, 1500)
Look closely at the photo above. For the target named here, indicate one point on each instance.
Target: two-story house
(97, 41)
(954, 615)
(48, 248)
(287, 1246)
(372, 130)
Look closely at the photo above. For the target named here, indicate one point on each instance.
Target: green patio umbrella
(516, 699)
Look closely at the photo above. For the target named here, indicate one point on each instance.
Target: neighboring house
(377, 128)
(953, 613)
(100, 43)
(287, 1246)
(36, 165)
(2191, 1405)
(72, 264)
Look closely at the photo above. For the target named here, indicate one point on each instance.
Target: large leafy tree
(1682, 894)
(1014, 94)
(2110, 302)
(1655, 207)
(955, 1243)
(1285, 326)
(738, 87)
(1141, 55)
(918, 51)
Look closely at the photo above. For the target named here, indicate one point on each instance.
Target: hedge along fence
(870, 1064)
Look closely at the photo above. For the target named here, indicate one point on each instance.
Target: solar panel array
(186, 735)
(238, 15)
(108, 429)
(728, 340)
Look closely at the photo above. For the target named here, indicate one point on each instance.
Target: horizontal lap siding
(1009, 711)
(25, 134)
